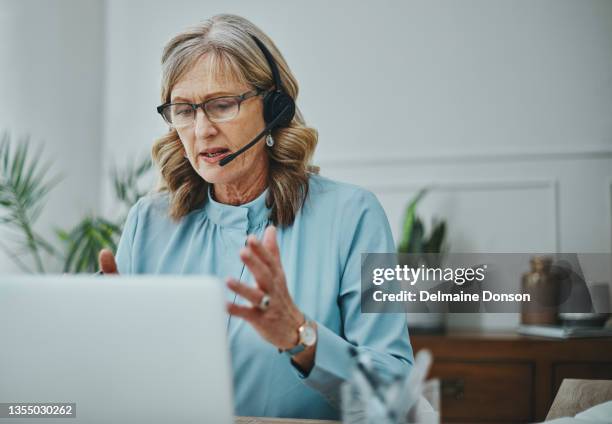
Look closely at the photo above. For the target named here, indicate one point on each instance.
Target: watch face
(308, 335)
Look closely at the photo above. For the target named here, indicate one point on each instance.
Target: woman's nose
(204, 128)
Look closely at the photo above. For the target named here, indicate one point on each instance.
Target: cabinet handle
(453, 387)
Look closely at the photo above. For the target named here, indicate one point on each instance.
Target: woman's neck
(242, 192)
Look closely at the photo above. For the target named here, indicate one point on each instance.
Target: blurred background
(501, 108)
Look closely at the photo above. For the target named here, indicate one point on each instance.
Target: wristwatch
(307, 336)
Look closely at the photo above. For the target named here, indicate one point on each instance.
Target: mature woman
(287, 241)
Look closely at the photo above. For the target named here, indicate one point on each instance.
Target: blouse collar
(244, 216)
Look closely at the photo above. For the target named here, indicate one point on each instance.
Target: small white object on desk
(368, 400)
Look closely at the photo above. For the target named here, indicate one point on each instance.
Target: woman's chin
(213, 174)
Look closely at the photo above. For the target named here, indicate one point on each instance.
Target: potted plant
(419, 247)
(24, 186)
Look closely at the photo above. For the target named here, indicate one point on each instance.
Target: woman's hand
(280, 322)
(107, 263)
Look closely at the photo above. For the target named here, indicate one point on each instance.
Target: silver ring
(264, 303)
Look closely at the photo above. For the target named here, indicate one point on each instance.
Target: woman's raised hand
(280, 320)
(106, 261)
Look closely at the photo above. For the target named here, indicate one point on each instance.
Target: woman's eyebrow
(208, 96)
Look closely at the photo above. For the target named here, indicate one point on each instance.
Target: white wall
(456, 76)
(51, 76)
(505, 107)
(416, 88)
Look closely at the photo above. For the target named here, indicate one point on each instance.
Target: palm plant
(126, 182)
(427, 249)
(93, 233)
(24, 186)
(85, 240)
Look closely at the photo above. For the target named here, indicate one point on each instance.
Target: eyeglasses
(219, 109)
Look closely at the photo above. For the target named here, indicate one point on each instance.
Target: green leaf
(77, 237)
(18, 163)
(125, 182)
(62, 234)
(416, 241)
(23, 190)
(434, 244)
(408, 222)
(90, 236)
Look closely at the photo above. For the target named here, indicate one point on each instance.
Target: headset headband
(271, 62)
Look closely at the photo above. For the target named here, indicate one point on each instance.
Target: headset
(278, 111)
(278, 106)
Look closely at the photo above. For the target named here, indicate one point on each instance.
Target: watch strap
(300, 347)
(294, 350)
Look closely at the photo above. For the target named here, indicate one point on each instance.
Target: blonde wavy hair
(234, 55)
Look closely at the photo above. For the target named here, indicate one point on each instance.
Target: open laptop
(140, 349)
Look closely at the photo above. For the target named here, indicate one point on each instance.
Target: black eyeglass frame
(195, 106)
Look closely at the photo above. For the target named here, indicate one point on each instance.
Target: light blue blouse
(321, 256)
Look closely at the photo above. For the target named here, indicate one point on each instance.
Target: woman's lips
(214, 159)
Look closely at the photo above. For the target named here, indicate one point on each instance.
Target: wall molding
(453, 158)
(467, 185)
(610, 210)
(551, 185)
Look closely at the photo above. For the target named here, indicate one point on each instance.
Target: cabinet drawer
(485, 391)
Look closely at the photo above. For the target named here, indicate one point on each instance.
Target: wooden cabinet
(505, 377)
(483, 387)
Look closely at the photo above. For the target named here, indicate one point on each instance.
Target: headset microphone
(269, 127)
(278, 106)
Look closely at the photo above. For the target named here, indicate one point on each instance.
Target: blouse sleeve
(124, 254)
(383, 335)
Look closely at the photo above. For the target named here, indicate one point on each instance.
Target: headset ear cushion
(279, 103)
